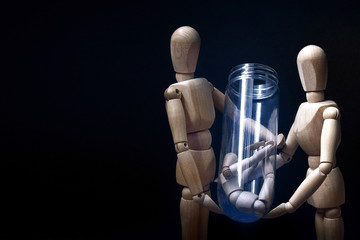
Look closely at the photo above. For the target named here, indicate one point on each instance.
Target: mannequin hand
(280, 139)
(207, 202)
(280, 210)
(255, 145)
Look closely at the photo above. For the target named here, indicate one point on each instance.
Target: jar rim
(249, 67)
(258, 72)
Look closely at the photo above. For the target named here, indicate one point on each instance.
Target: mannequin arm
(288, 150)
(176, 115)
(218, 98)
(265, 134)
(177, 122)
(230, 164)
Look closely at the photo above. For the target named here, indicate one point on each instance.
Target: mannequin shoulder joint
(331, 113)
(172, 93)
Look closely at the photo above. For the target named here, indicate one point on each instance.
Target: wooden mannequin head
(185, 47)
(313, 71)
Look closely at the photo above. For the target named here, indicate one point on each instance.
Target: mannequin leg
(329, 224)
(203, 220)
(319, 224)
(189, 213)
(333, 224)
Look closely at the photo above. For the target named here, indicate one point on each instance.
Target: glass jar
(248, 150)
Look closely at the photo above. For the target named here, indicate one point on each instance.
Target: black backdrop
(86, 150)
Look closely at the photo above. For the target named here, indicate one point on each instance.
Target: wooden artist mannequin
(190, 106)
(316, 130)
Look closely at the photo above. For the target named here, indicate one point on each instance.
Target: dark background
(86, 150)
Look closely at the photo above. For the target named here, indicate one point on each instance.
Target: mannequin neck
(313, 97)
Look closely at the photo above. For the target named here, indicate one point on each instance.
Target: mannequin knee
(333, 212)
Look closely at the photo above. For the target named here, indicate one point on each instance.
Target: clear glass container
(248, 149)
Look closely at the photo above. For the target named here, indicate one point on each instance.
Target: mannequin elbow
(325, 167)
